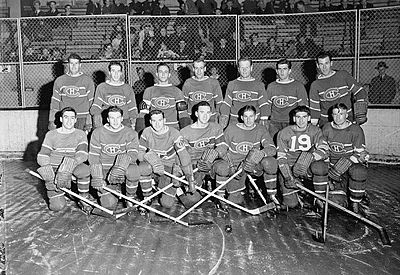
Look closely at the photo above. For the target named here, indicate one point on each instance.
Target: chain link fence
(380, 55)
(36, 48)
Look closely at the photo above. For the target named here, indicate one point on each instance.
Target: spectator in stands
(301, 7)
(107, 7)
(214, 73)
(364, 5)
(183, 51)
(93, 8)
(256, 49)
(53, 11)
(135, 8)
(224, 49)
(165, 53)
(163, 38)
(291, 51)
(206, 7)
(287, 6)
(161, 9)
(188, 7)
(265, 7)
(383, 87)
(140, 85)
(118, 7)
(273, 50)
(36, 10)
(328, 6)
(150, 50)
(116, 43)
(56, 54)
(136, 55)
(30, 55)
(68, 10)
(45, 54)
(230, 9)
(178, 36)
(107, 52)
(148, 7)
(250, 6)
(306, 47)
(344, 5)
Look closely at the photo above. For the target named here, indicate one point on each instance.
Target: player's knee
(358, 172)
(145, 168)
(167, 201)
(82, 171)
(319, 168)
(290, 200)
(270, 165)
(133, 172)
(108, 201)
(221, 168)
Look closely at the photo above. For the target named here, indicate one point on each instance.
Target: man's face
(283, 71)
(301, 119)
(382, 70)
(140, 73)
(52, 5)
(115, 73)
(115, 120)
(74, 66)
(339, 116)
(163, 31)
(249, 117)
(36, 6)
(199, 69)
(203, 114)
(67, 9)
(68, 120)
(157, 122)
(325, 65)
(245, 69)
(163, 74)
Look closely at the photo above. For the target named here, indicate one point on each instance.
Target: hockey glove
(302, 164)
(254, 157)
(206, 160)
(340, 167)
(47, 173)
(360, 111)
(154, 160)
(118, 171)
(290, 181)
(97, 182)
(64, 173)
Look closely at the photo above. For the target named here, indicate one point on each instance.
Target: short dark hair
(284, 61)
(245, 109)
(198, 60)
(67, 109)
(244, 58)
(162, 64)
(156, 112)
(114, 63)
(67, 5)
(300, 109)
(74, 56)
(340, 106)
(323, 55)
(115, 109)
(202, 103)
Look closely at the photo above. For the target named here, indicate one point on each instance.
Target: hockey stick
(321, 237)
(382, 231)
(111, 213)
(257, 189)
(256, 211)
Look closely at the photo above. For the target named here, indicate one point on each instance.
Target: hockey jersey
(348, 142)
(240, 140)
(197, 140)
(208, 89)
(282, 97)
(58, 145)
(106, 143)
(292, 142)
(325, 92)
(111, 95)
(72, 91)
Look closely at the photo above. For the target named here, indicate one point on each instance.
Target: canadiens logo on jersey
(199, 96)
(281, 101)
(336, 147)
(243, 96)
(71, 91)
(112, 149)
(201, 143)
(244, 147)
(331, 94)
(116, 100)
(161, 103)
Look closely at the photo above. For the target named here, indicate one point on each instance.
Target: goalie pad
(340, 167)
(181, 106)
(360, 111)
(68, 165)
(205, 162)
(64, 173)
(154, 160)
(302, 164)
(96, 170)
(46, 172)
(118, 171)
(254, 156)
(290, 181)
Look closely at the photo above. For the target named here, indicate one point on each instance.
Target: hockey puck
(228, 228)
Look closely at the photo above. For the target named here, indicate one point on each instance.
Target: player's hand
(317, 157)
(204, 166)
(116, 175)
(63, 180)
(98, 184)
(292, 183)
(87, 128)
(51, 126)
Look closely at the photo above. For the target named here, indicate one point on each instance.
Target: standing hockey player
(248, 143)
(283, 95)
(165, 97)
(73, 89)
(348, 156)
(245, 90)
(114, 92)
(161, 148)
(112, 158)
(201, 140)
(301, 151)
(62, 155)
(333, 87)
(202, 88)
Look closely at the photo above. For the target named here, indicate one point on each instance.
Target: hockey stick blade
(264, 208)
(384, 237)
(100, 213)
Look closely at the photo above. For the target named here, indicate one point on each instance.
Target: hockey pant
(56, 197)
